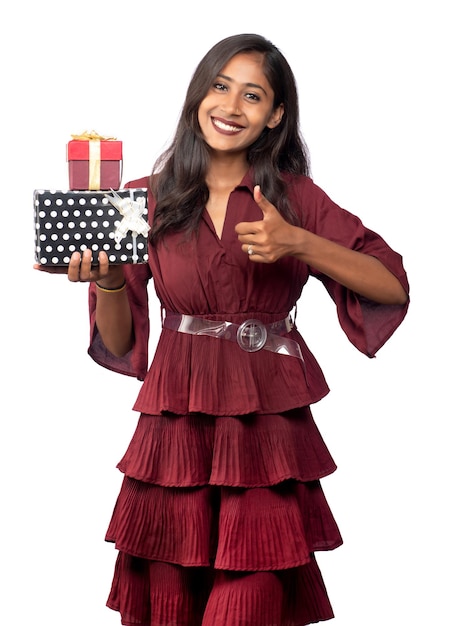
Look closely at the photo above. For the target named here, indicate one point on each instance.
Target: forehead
(246, 68)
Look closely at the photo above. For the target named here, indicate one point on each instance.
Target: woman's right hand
(80, 269)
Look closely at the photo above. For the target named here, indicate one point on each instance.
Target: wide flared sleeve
(367, 324)
(135, 362)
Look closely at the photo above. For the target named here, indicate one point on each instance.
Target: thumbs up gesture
(270, 238)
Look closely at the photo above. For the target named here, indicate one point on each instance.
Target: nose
(231, 104)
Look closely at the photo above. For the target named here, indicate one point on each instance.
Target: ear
(276, 117)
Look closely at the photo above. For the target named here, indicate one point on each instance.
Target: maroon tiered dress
(221, 508)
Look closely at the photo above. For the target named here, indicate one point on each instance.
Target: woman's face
(238, 105)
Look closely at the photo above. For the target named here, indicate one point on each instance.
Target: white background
(372, 79)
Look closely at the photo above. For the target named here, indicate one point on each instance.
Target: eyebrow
(254, 85)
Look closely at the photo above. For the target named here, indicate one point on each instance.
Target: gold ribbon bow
(92, 136)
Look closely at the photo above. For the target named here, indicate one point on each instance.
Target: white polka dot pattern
(69, 221)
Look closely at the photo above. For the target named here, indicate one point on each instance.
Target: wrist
(111, 286)
(113, 280)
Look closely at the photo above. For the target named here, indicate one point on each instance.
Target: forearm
(113, 317)
(361, 273)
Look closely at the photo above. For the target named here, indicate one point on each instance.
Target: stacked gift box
(95, 162)
(93, 212)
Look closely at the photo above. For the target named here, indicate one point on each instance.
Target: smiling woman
(238, 107)
(232, 116)
(221, 510)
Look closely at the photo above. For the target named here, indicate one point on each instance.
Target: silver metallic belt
(251, 335)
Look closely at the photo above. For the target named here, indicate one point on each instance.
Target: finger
(249, 231)
(50, 269)
(264, 205)
(86, 266)
(257, 193)
(103, 265)
(73, 270)
(245, 229)
(250, 250)
(80, 267)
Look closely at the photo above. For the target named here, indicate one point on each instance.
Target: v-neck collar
(247, 183)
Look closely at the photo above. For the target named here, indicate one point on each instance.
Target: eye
(252, 96)
(219, 86)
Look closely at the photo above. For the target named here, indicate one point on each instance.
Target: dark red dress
(221, 508)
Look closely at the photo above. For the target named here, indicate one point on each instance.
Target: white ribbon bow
(132, 211)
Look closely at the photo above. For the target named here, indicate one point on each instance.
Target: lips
(226, 127)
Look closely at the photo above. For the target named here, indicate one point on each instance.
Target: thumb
(264, 205)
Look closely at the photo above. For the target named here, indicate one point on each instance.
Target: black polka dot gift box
(68, 221)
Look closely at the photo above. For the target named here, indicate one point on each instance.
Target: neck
(226, 172)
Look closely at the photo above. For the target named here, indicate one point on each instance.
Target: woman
(221, 509)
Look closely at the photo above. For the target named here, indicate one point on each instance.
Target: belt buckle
(252, 335)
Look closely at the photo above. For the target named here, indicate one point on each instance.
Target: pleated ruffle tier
(200, 374)
(218, 520)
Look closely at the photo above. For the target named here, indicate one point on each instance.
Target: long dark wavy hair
(179, 174)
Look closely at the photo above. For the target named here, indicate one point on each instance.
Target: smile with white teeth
(226, 127)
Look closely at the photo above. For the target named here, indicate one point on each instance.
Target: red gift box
(95, 162)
